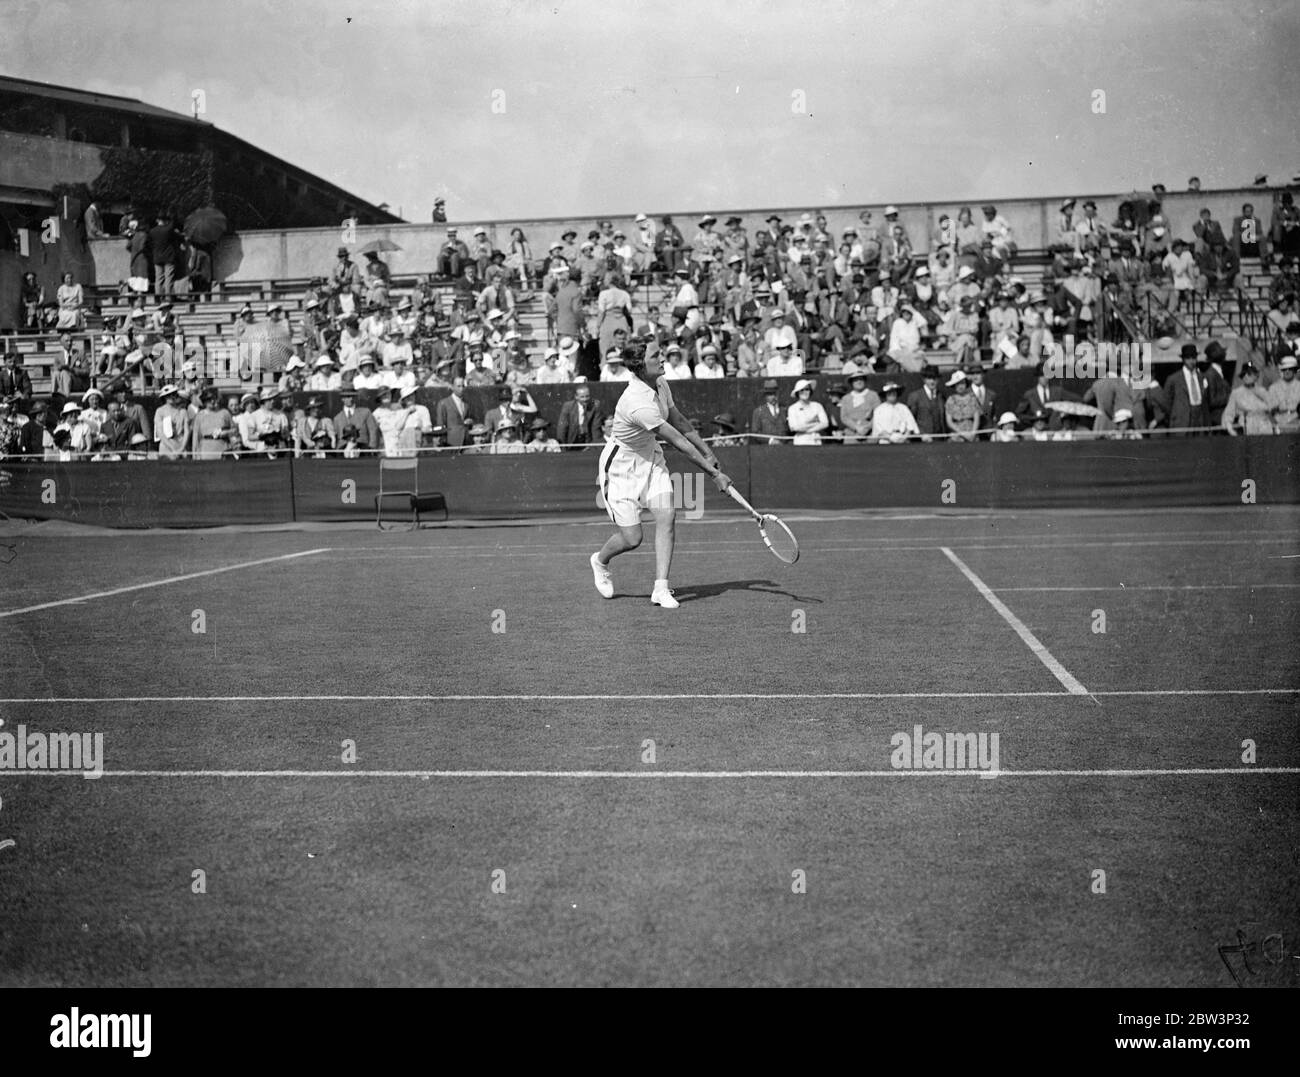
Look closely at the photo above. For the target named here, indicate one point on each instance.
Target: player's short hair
(634, 359)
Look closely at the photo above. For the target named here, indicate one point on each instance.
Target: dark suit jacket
(15, 381)
(31, 439)
(449, 418)
(1181, 412)
(571, 432)
(763, 422)
(989, 409)
(364, 421)
(929, 413)
(1031, 402)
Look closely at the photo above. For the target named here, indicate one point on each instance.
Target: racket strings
(779, 538)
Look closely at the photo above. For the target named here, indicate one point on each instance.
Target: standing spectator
(1186, 392)
(1249, 406)
(857, 409)
(93, 221)
(805, 417)
(453, 414)
(892, 423)
(926, 405)
(439, 211)
(1037, 398)
(1182, 268)
(360, 419)
(164, 245)
(346, 284)
(313, 433)
(1249, 240)
(613, 311)
(961, 412)
(1284, 396)
(984, 397)
(199, 270)
(768, 419)
(570, 315)
(171, 425)
(140, 268)
(580, 419)
(212, 429)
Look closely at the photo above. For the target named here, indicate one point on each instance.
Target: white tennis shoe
(604, 581)
(663, 596)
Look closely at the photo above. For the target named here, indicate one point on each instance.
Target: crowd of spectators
(793, 300)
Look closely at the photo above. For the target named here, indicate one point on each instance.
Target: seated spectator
(613, 368)
(1182, 268)
(453, 257)
(506, 440)
(519, 259)
(1090, 229)
(998, 230)
(478, 444)
(709, 366)
(313, 432)
(540, 439)
(676, 365)
(325, 376)
(1006, 430)
(892, 423)
(785, 361)
(805, 417)
(71, 300)
(905, 342)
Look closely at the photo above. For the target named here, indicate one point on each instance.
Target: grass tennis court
(521, 752)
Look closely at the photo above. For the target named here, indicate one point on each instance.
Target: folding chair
(398, 466)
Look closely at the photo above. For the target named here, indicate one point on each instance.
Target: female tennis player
(633, 474)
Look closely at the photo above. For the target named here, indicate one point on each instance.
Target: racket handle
(740, 500)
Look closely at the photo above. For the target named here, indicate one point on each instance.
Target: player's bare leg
(623, 540)
(665, 535)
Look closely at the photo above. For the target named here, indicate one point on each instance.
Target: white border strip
(650, 697)
(651, 775)
(1031, 641)
(159, 583)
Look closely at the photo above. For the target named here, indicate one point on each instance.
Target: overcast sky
(614, 107)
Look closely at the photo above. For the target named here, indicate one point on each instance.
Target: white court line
(661, 775)
(159, 583)
(1030, 640)
(653, 697)
(1169, 587)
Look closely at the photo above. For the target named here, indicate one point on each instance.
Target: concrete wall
(307, 252)
(40, 163)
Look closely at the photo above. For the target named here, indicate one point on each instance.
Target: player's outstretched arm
(686, 428)
(679, 441)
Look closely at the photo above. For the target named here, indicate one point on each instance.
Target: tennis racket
(777, 537)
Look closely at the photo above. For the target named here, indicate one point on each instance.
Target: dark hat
(725, 419)
(1188, 351)
(342, 251)
(1091, 203)
(733, 220)
(538, 424)
(770, 386)
(1249, 368)
(1215, 352)
(929, 371)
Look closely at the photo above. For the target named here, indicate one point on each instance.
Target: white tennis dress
(633, 474)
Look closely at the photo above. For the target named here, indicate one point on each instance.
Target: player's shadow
(692, 592)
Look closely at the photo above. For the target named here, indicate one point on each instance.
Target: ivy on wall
(173, 184)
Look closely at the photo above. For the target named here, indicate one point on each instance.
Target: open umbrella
(1072, 407)
(379, 246)
(205, 226)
